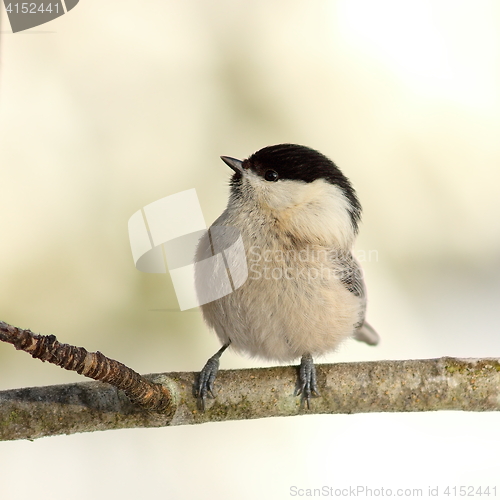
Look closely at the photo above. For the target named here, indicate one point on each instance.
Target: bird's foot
(205, 384)
(307, 386)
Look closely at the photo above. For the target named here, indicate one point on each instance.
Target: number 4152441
(32, 8)
(470, 491)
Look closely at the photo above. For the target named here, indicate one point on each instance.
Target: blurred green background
(118, 104)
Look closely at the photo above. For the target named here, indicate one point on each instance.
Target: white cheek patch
(277, 195)
(317, 212)
(284, 194)
(333, 211)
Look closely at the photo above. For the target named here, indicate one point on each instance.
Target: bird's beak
(236, 165)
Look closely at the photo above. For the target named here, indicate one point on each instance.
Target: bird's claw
(205, 384)
(307, 384)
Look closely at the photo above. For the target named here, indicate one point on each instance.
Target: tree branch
(382, 386)
(90, 364)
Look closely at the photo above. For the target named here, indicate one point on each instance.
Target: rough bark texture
(382, 386)
(89, 364)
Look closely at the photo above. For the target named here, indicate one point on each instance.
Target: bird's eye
(271, 175)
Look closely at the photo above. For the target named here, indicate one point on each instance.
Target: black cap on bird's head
(295, 163)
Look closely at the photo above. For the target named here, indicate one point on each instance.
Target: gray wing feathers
(351, 275)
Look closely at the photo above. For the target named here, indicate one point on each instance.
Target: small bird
(297, 216)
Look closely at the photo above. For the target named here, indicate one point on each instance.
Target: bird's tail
(367, 334)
